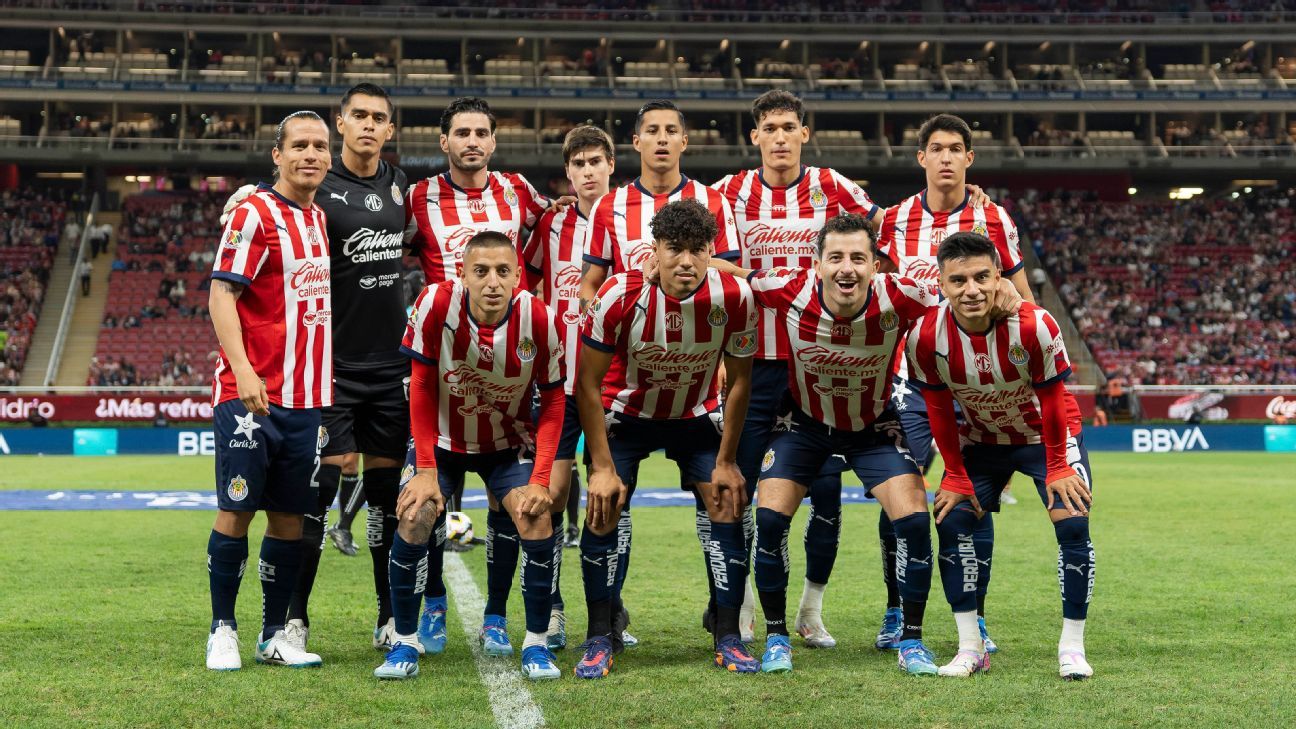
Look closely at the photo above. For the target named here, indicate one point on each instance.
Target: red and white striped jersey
(484, 372)
(993, 375)
(911, 233)
(440, 217)
(840, 371)
(666, 351)
(280, 254)
(778, 226)
(620, 237)
(553, 256)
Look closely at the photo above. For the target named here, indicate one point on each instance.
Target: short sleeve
(851, 198)
(887, 233)
(603, 317)
(600, 235)
(533, 253)
(743, 336)
(726, 240)
(243, 248)
(921, 351)
(415, 201)
(1046, 349)
(1003, 233)
(531, 202)
(910, 298)
(775, 288)
(422, 340)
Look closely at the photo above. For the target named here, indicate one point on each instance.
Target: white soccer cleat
(296, 633)
(811, 628)
(279, 652)
(384, 636)
(223, 650)
(966, 663)
(1072, 665)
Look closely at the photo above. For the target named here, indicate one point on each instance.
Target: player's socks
(573, 497)
(280, 560)
(771, 567)
(226, 560)
(502, 550)
(381, 486)
(436, 588)
(822, 534)
(729, 570)
(702, 525)
(1075, 566)
(958, 561)
(350, 499)
(598, 571)
(913, 569)
(983, 540)
(887, 539)
(537, 579)
(1072, 635)
(556, 518)
(624, 532)
(408, 573)
(313, 537)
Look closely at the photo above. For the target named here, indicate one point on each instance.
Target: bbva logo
(1165, 440)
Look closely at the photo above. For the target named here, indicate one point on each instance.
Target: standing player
(910, 235)
(1006, 373)
(553, 256)
(779, 209)
(442, 214)
(270, 307)
(669, 339)
(479, 346)
(362, 197)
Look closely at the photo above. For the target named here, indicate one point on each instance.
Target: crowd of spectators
(1198, 292)
(31, 227)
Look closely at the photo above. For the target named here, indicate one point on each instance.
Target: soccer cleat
(277, 651)
(341, 539)
(915, 659)
(731, 655)
(573, 537)
(815, 634)
(620, 622)
(1072, 665)
(778, 655)
(494, 636)
(401, 663)
(296, 633)
(556, 639)
(384, 635)
(596, 658)
(1007, 498)
(990, 646)
(539, 664)
(888, 638)
(432, 627)
(966, 663)
(223, 649)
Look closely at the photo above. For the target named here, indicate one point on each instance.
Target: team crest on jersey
(1017, 354)
(510, 197)
(396, 195)
(744, 343)
(982, 362)
(235, 240)
(408, 471)
(817, 198)
(717, 317)
(889, 320)
(674, 321)
(526, 349)
(237, 489)
(979, 229)
(768, 461)
(321, 439)
(373, 202)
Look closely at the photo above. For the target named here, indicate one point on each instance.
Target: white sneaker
(384, 637)
(747, 616)
(1007, 498)
(1072, 665)
(223, 649)
(296, 633)
(966, 663)
(813, 631)
(279, 652)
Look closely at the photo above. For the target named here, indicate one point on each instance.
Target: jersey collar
(508, 311)
(868, 299)
(465, 190)
(760, 175)
(270, 188)
(922, 197)
(993, 323)
(684, 180)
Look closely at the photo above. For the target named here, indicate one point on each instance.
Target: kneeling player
(479, 345)
(663, 343)
(1006, 373)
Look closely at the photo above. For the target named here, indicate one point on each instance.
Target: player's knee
(1073, 530)
(960, 521)
(769, 521)
(417, 528)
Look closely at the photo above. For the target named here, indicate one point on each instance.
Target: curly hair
(686, 223)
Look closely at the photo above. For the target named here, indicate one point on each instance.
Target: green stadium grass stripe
(510, 700)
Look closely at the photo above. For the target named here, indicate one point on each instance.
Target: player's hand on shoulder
(561, 203)
(239, 196)
(977, 197)
(1006, 301)
(1072, 492)
(422, 489)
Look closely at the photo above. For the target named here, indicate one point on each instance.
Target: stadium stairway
(86, 318)
(1083, 365)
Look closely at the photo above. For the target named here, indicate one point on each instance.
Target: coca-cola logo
(765, 234)
(821, 356)
(368, 239)
(1280, 407)
(307, 274)
(922, 271)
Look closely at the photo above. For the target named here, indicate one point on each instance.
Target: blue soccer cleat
(888, 638)
(990, 646)
(915, 659)
(539, 664)
(432, 626)
(778, 655)
(732, 655)
(401, 663)
(596, 658)
(494, 637)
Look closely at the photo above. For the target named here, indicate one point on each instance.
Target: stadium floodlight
(1132, 191)
(1185, 193)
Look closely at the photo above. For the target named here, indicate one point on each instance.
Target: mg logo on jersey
(841, 330)
(477, 206)
(313, 236)
(982, 362)
(937, 235)
(373, 202)
(674, 321)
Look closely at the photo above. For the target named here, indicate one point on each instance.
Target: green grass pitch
(103, 618)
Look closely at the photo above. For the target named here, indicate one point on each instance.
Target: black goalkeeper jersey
(366, 225)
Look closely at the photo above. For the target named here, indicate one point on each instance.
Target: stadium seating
(31, 226)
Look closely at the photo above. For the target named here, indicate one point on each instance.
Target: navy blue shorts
(769, 399)
(267, 463)
(909, 405)
(571, 427)
(501, 471)
(991, 467)
(877, 453)
(691, 442)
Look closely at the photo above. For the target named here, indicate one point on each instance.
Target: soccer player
(779, 209)
(553, 256)
(270, 307)
(362, 197)
(910, 235)
(668, 340)
(1006, 373)
(442, 214)
(479, 345)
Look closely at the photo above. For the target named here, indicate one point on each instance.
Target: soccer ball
(459, 528)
